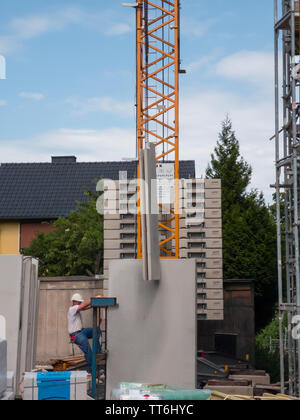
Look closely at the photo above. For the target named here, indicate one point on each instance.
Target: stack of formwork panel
(201, 238)
(200, 235)
(120, 223)
(19, 304)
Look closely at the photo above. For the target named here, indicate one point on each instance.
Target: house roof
(35, 191)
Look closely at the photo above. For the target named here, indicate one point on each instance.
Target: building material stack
(120, 223)
(19, 303)
(200, 235)
(201, 238)
(54, 386)
(242, 383)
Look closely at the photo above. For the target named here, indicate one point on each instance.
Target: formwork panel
(202, 253)
(213, 184)
(214, 294)
(210, 273)
(115, 244)
(193, 233)
(119, 225)
(210, 284)
(213, 194)
(118, 254)
(204, 243)
(200, 234)
(210, 315)
(213, 214)
(214, 264)
(213, 203)
(210, 304)
(213, 223)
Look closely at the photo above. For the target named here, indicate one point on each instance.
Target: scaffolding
(286, 13)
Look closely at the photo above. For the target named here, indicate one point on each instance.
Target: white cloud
(8, 44)
(35, 25)
(200, 120)
(201, 63)
(202, 112)
(195, 28)
(29, 27)
(3, 102)
(101, 104)
(253, 121)
(25, 28)
(256, 67)
(252, 113)
(35, 96)
(87, 145)
(119, 29)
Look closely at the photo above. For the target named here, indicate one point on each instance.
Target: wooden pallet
(71, 362)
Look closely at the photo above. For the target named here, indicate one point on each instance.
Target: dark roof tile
(48, 191)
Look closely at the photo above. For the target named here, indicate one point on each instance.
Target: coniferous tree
(249, 231)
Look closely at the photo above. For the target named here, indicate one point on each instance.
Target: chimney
(64, 159)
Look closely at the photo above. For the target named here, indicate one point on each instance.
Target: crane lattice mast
(158, 68)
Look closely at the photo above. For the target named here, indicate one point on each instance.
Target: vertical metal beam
(139, 116)
(278, 219)
(296, 177)
(287, 217)
(287, 157)
(150, 239)
(94, 361)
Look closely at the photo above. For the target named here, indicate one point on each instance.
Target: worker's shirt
(74, 320)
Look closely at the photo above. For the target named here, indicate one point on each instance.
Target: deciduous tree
(75, 247)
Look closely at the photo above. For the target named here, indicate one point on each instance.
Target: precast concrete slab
(152, 333)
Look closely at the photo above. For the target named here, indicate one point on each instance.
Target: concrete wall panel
(10, 303)
(151, 339)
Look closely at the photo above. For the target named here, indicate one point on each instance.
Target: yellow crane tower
(158, 68)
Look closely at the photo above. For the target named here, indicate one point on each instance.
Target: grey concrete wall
(152, 333)
(10, 304)
(55, 295)
(18, 304)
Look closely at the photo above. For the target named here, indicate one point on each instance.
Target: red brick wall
(29, 231)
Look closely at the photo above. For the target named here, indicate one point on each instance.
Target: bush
(75, 247)
(267, 356)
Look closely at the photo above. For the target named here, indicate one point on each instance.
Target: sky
(70, 81)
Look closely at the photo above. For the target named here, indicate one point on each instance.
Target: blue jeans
(82, 341)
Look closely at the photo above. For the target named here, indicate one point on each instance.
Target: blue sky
(70, 83)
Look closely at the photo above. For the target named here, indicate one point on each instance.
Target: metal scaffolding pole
(278, 172)
(287, 183)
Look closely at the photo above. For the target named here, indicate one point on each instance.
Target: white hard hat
(77, 298)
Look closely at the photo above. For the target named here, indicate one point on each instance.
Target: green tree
(249, 230)
(75, 246)
(228, 165)
(267, 349)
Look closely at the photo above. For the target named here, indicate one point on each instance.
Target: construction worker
(79, 335)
